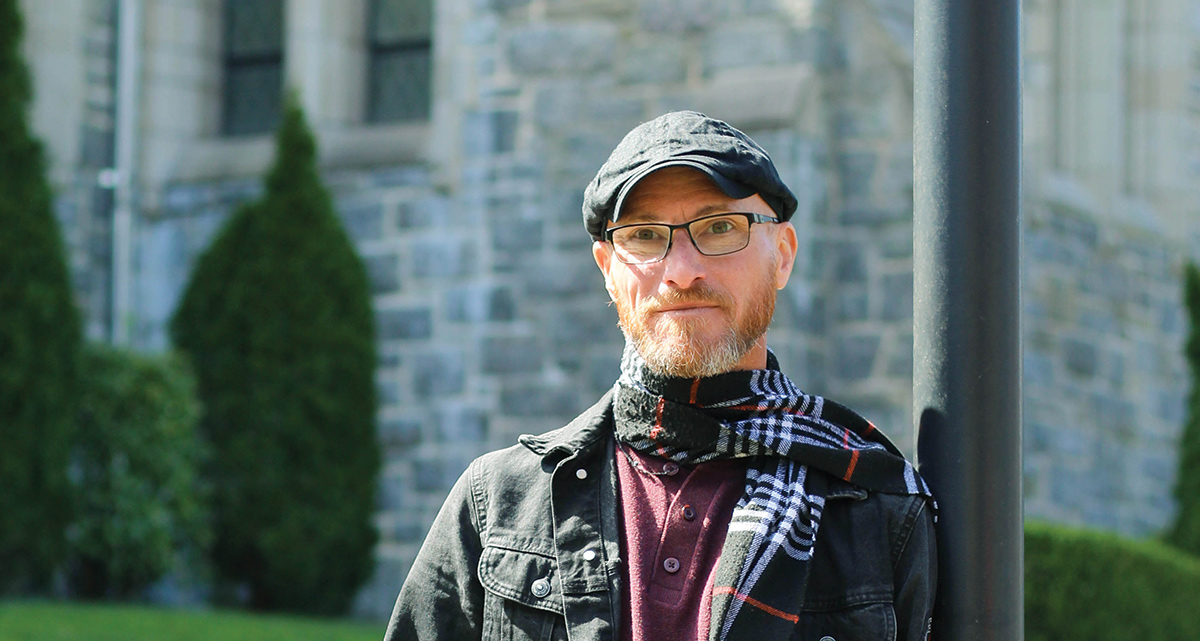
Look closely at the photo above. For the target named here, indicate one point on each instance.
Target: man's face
(689, 314)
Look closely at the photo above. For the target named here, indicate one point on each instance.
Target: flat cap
(738, 166)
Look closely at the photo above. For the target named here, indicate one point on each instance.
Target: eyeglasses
(715, 235)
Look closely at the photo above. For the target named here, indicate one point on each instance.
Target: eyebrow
(640, 216)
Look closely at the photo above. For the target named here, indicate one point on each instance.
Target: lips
(687, 311)
(689, 300)
(683, 309)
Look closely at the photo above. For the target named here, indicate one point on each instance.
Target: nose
(684, 264)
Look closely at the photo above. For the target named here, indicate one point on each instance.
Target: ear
(602, 252)
(785, 245)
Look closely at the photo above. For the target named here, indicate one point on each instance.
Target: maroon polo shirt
(674, 520)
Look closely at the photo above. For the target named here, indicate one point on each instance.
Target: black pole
(967, 346)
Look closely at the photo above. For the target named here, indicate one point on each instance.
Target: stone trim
(345, 147)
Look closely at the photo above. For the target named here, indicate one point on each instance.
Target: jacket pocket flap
(525, 577)
(876, 622)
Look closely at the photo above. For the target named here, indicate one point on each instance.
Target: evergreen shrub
(39, 341)
(278, 324)
(140, 507)
(1091, 586)
(1185, 533)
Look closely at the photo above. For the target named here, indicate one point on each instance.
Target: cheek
(627, 283)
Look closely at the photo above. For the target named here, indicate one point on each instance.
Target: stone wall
(1105, 379)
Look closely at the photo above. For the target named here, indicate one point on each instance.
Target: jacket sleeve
(442, 598)
(916, 577)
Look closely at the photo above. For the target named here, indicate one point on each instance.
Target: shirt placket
(680, 537)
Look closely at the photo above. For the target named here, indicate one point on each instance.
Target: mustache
(698, 293)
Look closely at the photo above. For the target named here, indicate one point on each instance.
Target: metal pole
(966, 321)
(128, 70)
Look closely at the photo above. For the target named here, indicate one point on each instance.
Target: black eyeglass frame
(750, 217)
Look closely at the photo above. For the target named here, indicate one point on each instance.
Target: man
(705, 496)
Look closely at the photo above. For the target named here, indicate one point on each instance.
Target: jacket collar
(594, 425)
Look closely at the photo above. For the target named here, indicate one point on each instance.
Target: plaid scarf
(786, 433)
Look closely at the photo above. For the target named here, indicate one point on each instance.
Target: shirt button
(670, 468)
(689, 513)
(540, 588)
(671, 564)
(589, 555)
(827, 638)
(581, 474)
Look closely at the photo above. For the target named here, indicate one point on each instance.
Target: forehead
(674, 192)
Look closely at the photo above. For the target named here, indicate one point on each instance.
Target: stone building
(457, 137)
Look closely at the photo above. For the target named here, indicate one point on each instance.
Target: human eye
(719, 226)
(640, 236)
(645, 233)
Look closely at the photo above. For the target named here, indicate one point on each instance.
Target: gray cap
(738, 166)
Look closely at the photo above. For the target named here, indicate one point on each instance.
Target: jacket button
(689, 513)
(828, 638)
(581, 474)
(540, 588)
(671, 564)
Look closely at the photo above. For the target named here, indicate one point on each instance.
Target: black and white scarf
(761, 415)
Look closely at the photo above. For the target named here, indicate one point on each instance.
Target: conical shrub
(1185, 534)
(39, 341)
(278, 324)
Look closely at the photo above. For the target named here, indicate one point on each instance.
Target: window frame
(235, 61)
(378, 51)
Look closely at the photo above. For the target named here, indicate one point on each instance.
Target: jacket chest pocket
(523, 599)
(870, 622)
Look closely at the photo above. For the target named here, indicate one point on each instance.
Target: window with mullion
(253, 66)
(400, 43)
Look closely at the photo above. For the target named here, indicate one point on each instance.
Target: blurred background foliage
(1094, 586)
(141, 506)
(40, 342)
(277, 321)
(1185, 534)
(137, 467)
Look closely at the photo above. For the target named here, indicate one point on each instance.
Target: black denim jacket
(527, 547)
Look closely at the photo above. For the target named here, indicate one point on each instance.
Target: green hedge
(277, 321)
(40, 340)
(1091, 586)
(140, 507)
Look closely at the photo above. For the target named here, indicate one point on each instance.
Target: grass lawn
(38, 621)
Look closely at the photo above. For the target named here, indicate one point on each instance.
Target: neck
(756, 358)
